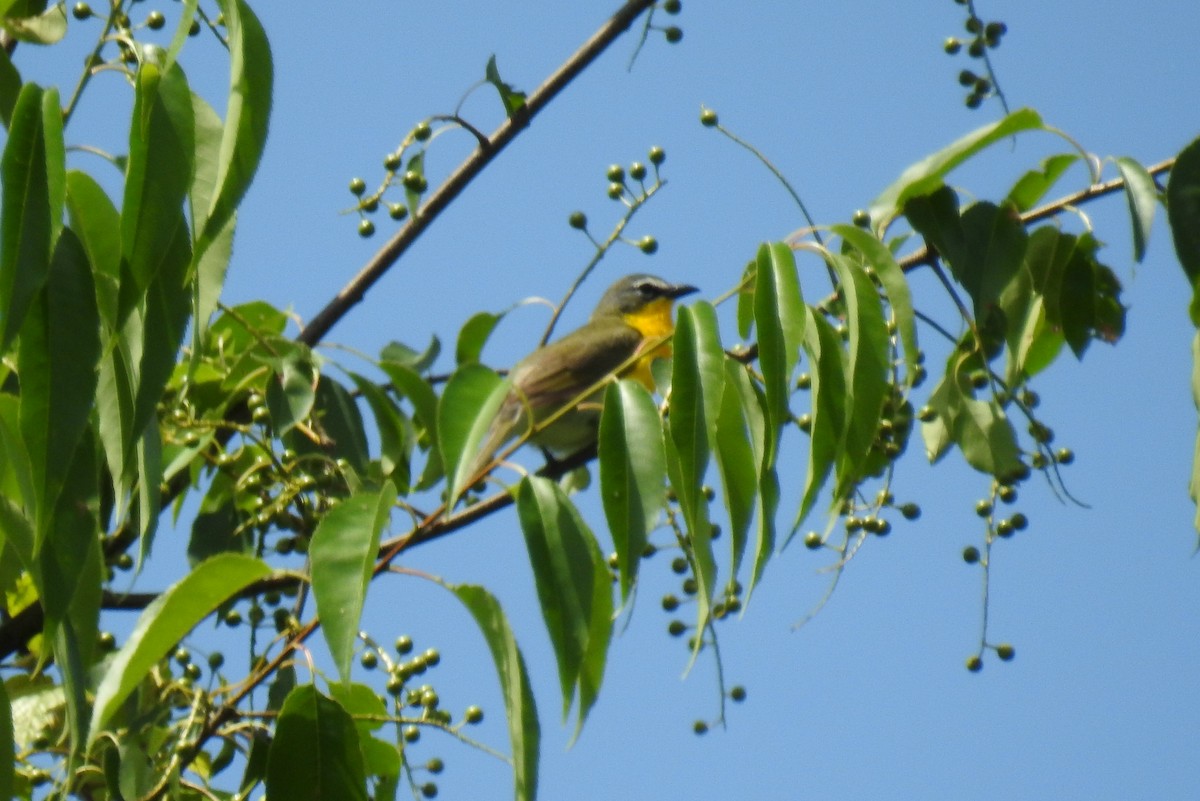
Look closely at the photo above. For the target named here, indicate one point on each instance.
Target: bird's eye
(646, 288)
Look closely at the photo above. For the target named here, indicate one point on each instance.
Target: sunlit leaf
(512, 99)
(632, 473)
(401, 354)
(1033, 185)
(46, 28)
(574, 588)
(927, 175)
(165, 622)
(830, 405)
(740, 428)
(1142, 194)
(291, 391)
(468, 406)
(473, 336)
(96, 222)
(523, 730)
(343, 557)
(779, 319)
(315, 752)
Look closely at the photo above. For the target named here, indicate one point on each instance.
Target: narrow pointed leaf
(1183, 209)
(574, 588)
(343, 556)
(1143, 199)
(315, 752)
(10, 87)
(395, 444)
(633, 473)
(1194, 484)
(60, 346)
(779, 318)
(96, 222)
(830, 394)
(512, 99)
(523, 729)
(468, 406)
(165, 622)
(32, 180)
(739, 429)
(927, 174)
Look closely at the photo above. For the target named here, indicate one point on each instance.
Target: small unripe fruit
(700, 727)
(952, 46)
(812, 541)
(431, 656)
(637, 171)
(970, 554)
(392, 162)
(673, 34)
(862, 219)
(974, 664)
(670, 603)
(616, 173)
(911, 511)
(676, 627)
(155, 20)
(577, 220)
(81, 11)
(615, 191)
(191, 671)
(648, 245)
(738, 693)
(672, 6)
(415, 182)
(983, 508)
(1007, 494)
(473, 715)
(974, 25)
(657, 155)
(422, 132)
(1019, 521)
(369, 660)
(435, 765)
(365, 228)
(1005, 651)
(976, 49)
(397, 211)
(708, 117)
(411, 734)
(358, 186)
(215, 660)
(679, 565)
(1064, 456)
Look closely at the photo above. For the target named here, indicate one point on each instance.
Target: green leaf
(16, 474)
(979, 428)
(247, 117)
(10, 87)
(292, 389)
(71, 529)
(574, 587)
(315, 753)
(523, 730)
(95, 220)
(395, 442)
(165, 622)
(779, 318)
(867, 369)
(340, 422)
(745, 299)
(513, 100)
(697, 381)
(60, 346)
(32, 175)
(469, 404)
(740, 428)
(473, 336)
(1034, 184)
(1081, 296)
(401, 354)
(211, 261)
(1142, 194)
(215, 526)
(7, 745)
(633, 472)
(47, 28)
(830, 405)
(343, 558)
(895, 284)
(161, 154)
(1183, 209)
(927, 175)
(408, 384)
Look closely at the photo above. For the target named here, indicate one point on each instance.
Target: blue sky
(870, 699)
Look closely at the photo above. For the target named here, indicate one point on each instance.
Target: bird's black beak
(679, 290)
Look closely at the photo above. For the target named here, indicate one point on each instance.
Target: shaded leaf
(574, 588)
(96, 222)
(292, 390)
(7, 744)
(215, 528)
(33, 185)
(739, 442)
(632, 473)
(398, 353)
(408, 384)
(165, 622)
(60, 346)
(46, 28)
(343, 552)
(1183, 209)
(523, 730)
(395, 444)
(315, 753)
(10, 87)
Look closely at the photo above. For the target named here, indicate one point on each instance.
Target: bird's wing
(559, 372)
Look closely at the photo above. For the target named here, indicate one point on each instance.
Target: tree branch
(390, 253)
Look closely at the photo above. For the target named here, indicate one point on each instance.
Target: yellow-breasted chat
(634, 315)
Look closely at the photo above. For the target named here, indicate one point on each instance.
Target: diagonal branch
(390, 253)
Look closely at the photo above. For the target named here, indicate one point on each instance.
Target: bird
(633, 315)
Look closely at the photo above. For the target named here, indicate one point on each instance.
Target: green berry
(974, 663)
(983, 508)
(411, 734)
(637, 171)
(415, 182)
(358, 186)
(182, 655)
(673, 34)
(395, 684)
(952, 45)
(1005, 651)
(397, 211)
(431, 656)
(974, 24)
(435, 765)
(429, 699)
(577, 220)
(1019, 521)
(672, 6)
(861, 218)
(967, 78)
(690, 586)
(700, 727)
(648, 245)
(927, 414)
(738, 693)
(473, 715)
(616, 173)
(812, 541)
(191, 671)
(369, 660)
(422, 132)
(676, 627)
(670, 603)
(233, 618)
(392, 162)
(679, 565)
(970, 554)
(366, 228)
(976, 49)
(1064, 456)
(194, 28)
(429, 790)
(973, 101)
(155, 20)
(804, 381)
(708, 117)
(615, 191)
(81, 11)
(657, 155)
(911, 511)
(804, 423)
(215, 660)
(1005, 528)
(1007, 494)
